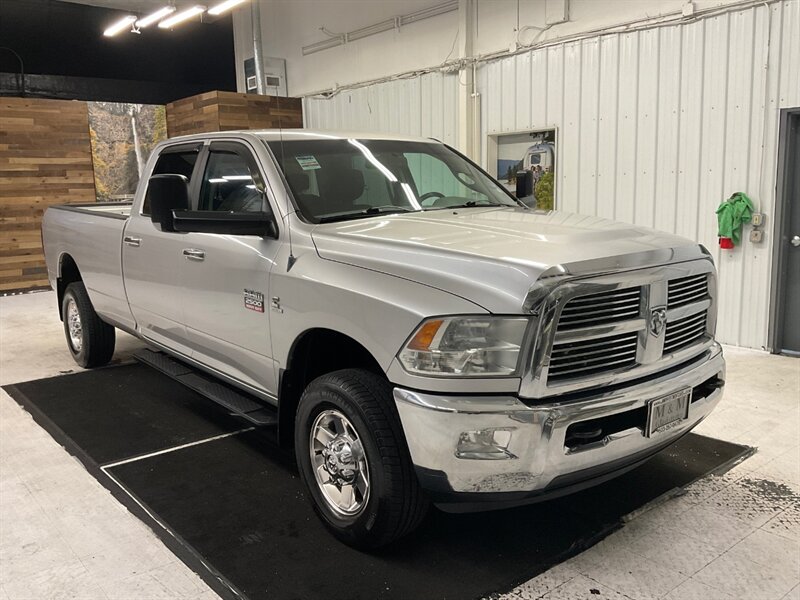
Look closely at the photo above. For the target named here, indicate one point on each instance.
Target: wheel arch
(68, 272)
(315, 352)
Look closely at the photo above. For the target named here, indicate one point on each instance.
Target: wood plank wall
(45, 158)
(226, 111)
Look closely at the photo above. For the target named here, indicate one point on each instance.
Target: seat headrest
(346, 187)
(298, 182)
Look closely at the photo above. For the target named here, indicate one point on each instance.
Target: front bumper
(539, 462)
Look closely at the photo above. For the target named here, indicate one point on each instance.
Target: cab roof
(274, 135)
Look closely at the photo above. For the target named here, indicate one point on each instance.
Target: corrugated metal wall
(655, 127)
(426, 105)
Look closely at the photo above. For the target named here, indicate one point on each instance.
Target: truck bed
(90, 235)
(116, 210)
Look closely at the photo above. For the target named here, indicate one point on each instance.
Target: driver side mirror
(166, 193)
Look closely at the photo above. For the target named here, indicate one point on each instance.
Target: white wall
(658, 127)
(426, 105)
(288, 25)
(655, 127)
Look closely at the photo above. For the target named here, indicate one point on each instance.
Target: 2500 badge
(254, 300)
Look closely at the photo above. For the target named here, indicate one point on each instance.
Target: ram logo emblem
(657, 321)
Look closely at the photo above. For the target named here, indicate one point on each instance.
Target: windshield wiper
(468, 204)
(369, 212)
(389, 208)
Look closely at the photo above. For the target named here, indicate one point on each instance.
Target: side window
(232, 183)
(176, 162)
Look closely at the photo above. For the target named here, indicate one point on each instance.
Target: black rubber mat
(235, 511)
(119, 412)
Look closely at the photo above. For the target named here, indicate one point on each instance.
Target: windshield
(335, 180)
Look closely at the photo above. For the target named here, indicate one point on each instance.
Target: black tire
(96, 345)
(396, 504)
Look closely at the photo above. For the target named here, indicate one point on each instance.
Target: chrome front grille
(639, 323)
(687, 290)
(684, 332)
(579, 359)
(601, 308)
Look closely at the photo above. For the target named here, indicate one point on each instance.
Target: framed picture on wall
(525, 162)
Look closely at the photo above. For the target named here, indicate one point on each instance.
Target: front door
(225, 278)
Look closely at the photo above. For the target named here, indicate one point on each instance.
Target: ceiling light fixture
(182, 16)
(223, 6)
(155, 17)
(120, 25)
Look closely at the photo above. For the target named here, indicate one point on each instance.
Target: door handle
(795, 241)
(194, 254)
(132, 241)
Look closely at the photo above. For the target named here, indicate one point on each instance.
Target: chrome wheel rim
(74, 326)
(339, 463)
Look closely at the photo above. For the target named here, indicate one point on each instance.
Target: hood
(493, 256)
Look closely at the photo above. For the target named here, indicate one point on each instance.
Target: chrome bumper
(537, 458)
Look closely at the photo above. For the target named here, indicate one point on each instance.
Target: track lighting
(167, 17)
(155, 17)
(224, 6)
(182, 16)
(120, 25)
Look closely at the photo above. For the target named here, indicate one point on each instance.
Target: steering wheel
(436, 195)
(431, 198)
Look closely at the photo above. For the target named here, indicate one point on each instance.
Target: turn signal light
(423, 339)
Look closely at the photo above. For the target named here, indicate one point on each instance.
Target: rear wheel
(90, 340)
(353, 458)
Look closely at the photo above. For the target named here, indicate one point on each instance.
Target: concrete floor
(62, 535)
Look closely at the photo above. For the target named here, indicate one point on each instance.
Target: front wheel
(90, 339)
(353, 459)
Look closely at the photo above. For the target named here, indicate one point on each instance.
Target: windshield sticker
(254, 300)
(307, 163)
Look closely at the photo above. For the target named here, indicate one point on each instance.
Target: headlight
(465, 346)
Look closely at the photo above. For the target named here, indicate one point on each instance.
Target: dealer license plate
(668, 411)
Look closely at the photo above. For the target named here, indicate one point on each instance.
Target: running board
(238, 403)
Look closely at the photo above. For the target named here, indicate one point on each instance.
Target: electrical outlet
(756, 236)
(757, 219)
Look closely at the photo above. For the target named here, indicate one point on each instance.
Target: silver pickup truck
(417, 334)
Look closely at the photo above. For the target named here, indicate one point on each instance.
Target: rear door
(152, 260)
(225, 278)
(787, 325)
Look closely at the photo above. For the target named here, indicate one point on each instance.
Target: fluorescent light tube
(323, 45)
(155, 17)
(223, 6)
(182, 16)
(357, 34)
(120, 25)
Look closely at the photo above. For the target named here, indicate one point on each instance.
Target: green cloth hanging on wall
(732, 214)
